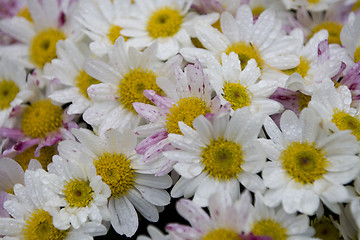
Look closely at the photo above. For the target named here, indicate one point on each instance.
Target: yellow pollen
(39, 226)
(222, 159)
(236, 95)
(301, 69)
(185, 110)
(245, 52)
(345, 121)
(304, 100)
(356, 6)
(116, 171)
(43, 46)
(164, 22)
(221, 234)
(46, 154)
(83, 81)
(304, 162)
(357, 54)
(78, 193)
(41, 118)
(8, 92)
(133, 84)
(334, 29)
(114, 33)
(325, 229)
(269, 228)
(312, 2)
(256, 11)
(25, 13)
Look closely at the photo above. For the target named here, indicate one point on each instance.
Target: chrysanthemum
(308, 164)
(114, 159)
(68, 69)
(123, 77)
(188, 97)
(217, 156)
(228, 218)
(262, 40)
(241, 87)
(30, 218)
(79, 195)
(168, 22)
(101, 20)
(277, 224)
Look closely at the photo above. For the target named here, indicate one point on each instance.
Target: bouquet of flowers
(180, 119)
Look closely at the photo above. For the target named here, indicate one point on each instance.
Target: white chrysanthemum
(113, 157)
(350, 37)
(308, 164)
(80, 195)
(262, 40)
(277, 224)
(123, 77)
(31, 219)
(310, 5)
(242, 87)
(217, 156)
(101, 20)
(168, 22)
(68, 69)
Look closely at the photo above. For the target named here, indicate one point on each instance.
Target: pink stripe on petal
(323, 51)
(157, 149)
(144, 145)
(12, 133)
(339, 73)
(24, 145)
(147, 111)
(50, 140)
(163, 103)
(186, 232)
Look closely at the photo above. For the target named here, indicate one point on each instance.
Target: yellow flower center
(164, 22)
(334, 29)
(357, 54)
(222, 159)
(304, 162)
(185, 110)
(114, 33)
(43, 46)
(311, 2)
(269, 228)
(39, 226)
(301, 69)
(116, 171)
(8, 92)
(256, 11)
(356, 6)
(25, 13)
(133, 84)
(304, 101)
(221, 234)
(41, 118)
(236, 95)
(325, 229)
(46, 154)
(245, 52)
(78, 193)
(345, 121)
(83, 81)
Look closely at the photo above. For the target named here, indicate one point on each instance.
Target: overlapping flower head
(112, 110)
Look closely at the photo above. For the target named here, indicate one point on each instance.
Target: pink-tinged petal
(166, 168)
(184, 232)
(50, 140)
(251, 236)
(23, 145)
(208, 6)
(17, 110)
(352, 80)
(340, 72)
(163, 103)
(147, 111)
(144, 145)
(323, 51)
(194, 214)
(152, 153)
(288, 98)
(4, 196)
(198, 83)
(12, 133)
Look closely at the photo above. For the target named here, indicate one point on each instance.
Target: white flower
(307, 163)
(113, 157)
(350, 37)
(168, 22)
(217, 156)
(80, 195)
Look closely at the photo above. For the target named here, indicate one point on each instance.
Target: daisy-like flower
(123, 77)
(31, 219)
(350, 37)
(189, 97)
(217, 156)
(327, 228)
(241, 87)
(168, 22)
(102, 22)
(114, 159)
(308, 164)
(228, 218)
(277, 224)
(68, 68)
(80, 195)
(260, 40)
